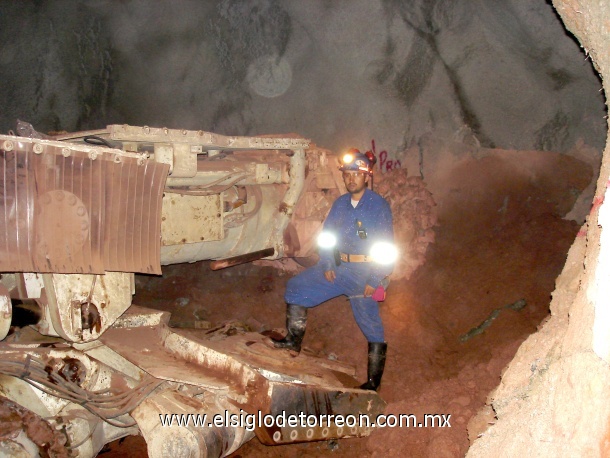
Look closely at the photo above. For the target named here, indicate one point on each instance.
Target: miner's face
(355, 182)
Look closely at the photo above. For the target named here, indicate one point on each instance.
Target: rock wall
(497, 73)
(553, 397)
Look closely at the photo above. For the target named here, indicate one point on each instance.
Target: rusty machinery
(80, 214)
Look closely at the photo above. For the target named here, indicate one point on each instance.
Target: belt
(355, 257)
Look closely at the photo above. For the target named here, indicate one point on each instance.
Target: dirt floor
(500, 241)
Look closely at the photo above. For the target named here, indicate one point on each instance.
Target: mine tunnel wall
(552, 399)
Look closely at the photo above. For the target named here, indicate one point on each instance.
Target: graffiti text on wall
(385, 164)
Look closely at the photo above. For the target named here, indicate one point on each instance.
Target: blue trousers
(310, 288)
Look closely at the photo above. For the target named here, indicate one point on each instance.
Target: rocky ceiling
(499, 73)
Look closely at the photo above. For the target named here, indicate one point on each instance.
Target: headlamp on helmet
(355, 161)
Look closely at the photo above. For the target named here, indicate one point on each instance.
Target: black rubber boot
(296, 320)
(377, 352)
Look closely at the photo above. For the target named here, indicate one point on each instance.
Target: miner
(357, 255)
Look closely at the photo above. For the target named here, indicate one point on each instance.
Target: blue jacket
(375, 216)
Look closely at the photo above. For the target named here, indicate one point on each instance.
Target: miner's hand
(368, 291)
(330, 275)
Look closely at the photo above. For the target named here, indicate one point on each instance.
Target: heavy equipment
(81, 366)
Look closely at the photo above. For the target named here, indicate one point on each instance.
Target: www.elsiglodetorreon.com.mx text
(252, 421)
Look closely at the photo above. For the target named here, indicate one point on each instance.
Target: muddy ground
(501, 240)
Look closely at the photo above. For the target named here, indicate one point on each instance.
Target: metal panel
(134, 191)
(191, 219)
(78, 209)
